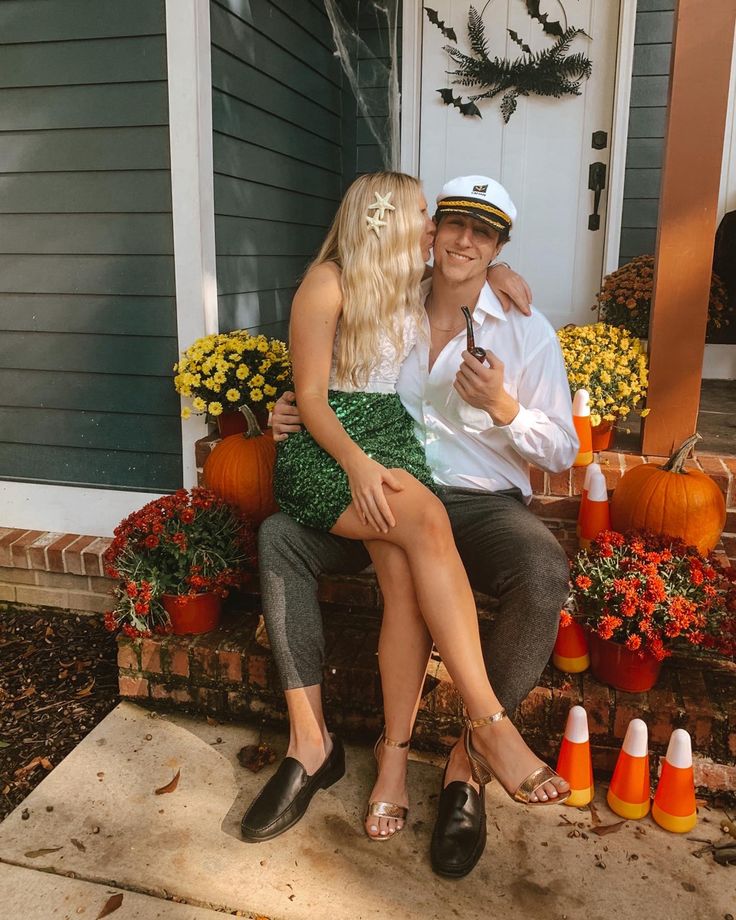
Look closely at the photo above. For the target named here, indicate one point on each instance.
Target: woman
(359, 472)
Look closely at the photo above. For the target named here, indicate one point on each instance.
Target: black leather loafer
(459, 835)
(286, 796)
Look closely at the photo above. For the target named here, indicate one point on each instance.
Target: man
(481, 425)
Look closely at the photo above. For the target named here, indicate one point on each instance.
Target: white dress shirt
(464, 448)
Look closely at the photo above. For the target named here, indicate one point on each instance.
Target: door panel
(542, 156)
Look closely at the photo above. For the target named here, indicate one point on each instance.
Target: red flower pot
(192, 614)
(616, 665)
(231, 423)
(602, 435)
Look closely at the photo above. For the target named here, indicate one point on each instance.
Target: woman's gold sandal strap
(389, 742)
(536, 779)
(487, 720)
(387, 810)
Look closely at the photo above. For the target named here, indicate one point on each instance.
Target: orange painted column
(698, 100)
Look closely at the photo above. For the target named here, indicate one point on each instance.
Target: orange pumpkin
(670, 500)
(240, 470)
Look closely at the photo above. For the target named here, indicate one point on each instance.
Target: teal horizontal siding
(71, 192)
(263, 237)
(142, 234)
(258, 308)
(94, 430)
(246, 84)
(63, 20)
(243, 274)
(116, 60)
(238, 39)
(295, 35)
(79, 149)
(238, 198)
(130, 470)
(647, 120)
(85, 391)
(267, 129)
(90, 353)
(106, 104)
(242, 160)
(88, 333)
(99, 274)
(140, 316)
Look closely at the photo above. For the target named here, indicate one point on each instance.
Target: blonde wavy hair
(380, 273)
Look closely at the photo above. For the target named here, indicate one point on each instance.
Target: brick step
(227, 674)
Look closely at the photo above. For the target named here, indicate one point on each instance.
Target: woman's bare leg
(446, 601)
(404, 647)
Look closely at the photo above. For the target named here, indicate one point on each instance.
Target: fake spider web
(379, 103)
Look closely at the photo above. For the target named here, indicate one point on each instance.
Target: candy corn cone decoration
(570, 653)
(581, 420)
(674, 801)
(596, 516)
(589, 470)
(628, 794)
(574, 763)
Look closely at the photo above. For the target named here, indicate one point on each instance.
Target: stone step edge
(434, 733)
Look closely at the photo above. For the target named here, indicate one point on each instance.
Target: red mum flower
(583, 582)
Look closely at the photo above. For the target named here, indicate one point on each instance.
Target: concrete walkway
(115, 835)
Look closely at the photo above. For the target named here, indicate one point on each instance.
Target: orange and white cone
(571, 653)
(629, 795)
(581, 420)
(589, 470)
(574, 763)
(596, 516)
(674, 801)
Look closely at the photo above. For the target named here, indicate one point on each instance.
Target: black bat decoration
(551, 28)
(466, 108)
(448, 32)
(515, 37)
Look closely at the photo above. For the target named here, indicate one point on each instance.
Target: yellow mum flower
(215, 408)
(198, 404)
(256, 395)
(232, 395)
(269, 390)
(242, 372)
(257, 380)
(186, 412)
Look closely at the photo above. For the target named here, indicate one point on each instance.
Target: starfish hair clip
(380, 206)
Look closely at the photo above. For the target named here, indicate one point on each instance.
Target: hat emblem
(480, 189)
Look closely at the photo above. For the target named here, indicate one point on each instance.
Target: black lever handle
(596, 183)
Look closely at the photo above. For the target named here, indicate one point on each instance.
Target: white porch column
(192, 187)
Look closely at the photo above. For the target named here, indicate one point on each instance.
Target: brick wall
(56, 570)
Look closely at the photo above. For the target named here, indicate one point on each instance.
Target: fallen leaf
(211, 721)
(85, 691)
(44, 851)
(688, 886)
(4, 744)
(111, 904)
(604, 829)
(79, 845)
(170, 787)
(29, 767)
(594, 814)
(46, 763)
(256, 756)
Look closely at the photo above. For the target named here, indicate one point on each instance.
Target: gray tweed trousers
(507, 551)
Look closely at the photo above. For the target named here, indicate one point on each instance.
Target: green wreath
(552, 72)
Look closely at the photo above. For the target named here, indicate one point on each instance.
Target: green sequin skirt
(311, 487)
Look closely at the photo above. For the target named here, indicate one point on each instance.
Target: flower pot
(192, 614)
(231, 423)
(603, 435)
(616, 665)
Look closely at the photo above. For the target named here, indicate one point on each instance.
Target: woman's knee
(426, 516)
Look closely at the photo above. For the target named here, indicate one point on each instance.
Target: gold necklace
(453, 329)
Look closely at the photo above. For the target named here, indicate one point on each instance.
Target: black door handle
(596, 183)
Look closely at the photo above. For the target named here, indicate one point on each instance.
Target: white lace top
(385, 372)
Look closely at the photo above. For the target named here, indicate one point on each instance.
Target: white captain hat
(479, 197)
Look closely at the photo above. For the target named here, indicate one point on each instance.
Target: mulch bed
(58, 679)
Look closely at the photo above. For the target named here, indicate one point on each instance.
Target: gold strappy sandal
(386, 809)
(482, 772)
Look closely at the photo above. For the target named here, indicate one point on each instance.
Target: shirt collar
(487, 303)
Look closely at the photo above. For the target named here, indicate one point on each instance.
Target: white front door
(542, 156)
